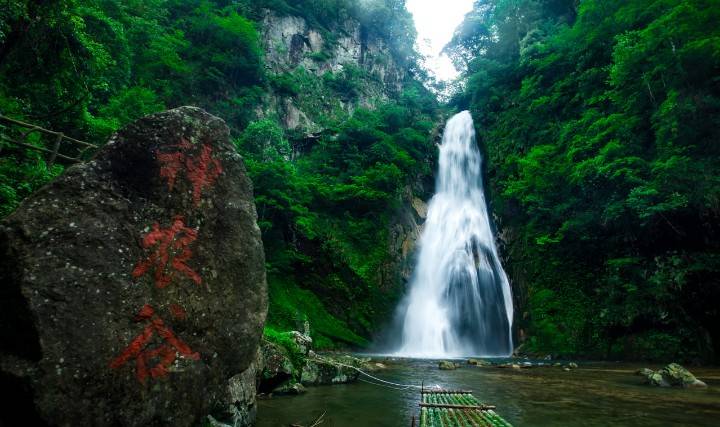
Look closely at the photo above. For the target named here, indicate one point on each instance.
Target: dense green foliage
(601, 123)
(87, 68)
(325, 216)
(324, 199)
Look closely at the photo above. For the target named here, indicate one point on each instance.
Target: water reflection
(598, 394)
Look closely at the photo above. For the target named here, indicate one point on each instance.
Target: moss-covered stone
(446, 365)
(672, 375)
(326, 370)
(478, 362)
(278, 367)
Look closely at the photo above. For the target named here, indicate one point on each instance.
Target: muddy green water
(595, 394)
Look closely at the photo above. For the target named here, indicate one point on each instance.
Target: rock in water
(478, 362)
(446, 365)
(672, 375)
(330, 370)
(133, 286)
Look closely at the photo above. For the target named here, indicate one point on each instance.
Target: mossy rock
(278, 367)
(446, 365)
(672, 375)
(330, 370)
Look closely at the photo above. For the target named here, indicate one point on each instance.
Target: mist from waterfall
(459, 301)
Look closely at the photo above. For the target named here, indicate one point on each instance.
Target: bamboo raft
(451, 408)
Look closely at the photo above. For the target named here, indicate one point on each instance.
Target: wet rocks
(278, 367)
(327, 370)
(513, 365)
(672, 375)
(134, 284)
(644, 372)
(282, 368)
(446, 365)
(478, 362)
(291, 364)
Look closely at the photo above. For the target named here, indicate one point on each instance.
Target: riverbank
(594, 394)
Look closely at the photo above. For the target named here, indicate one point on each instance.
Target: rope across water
(384, 383)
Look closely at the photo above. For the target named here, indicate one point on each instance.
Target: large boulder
(133, 286)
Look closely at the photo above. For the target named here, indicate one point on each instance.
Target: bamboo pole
(453, 406)
(45, 150)
(55, 149)
(48, 131)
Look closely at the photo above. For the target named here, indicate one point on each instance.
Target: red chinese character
(171, 163)
(171, 252)
(201, 169)
(166, 352)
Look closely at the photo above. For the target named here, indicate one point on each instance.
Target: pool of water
(595, 394)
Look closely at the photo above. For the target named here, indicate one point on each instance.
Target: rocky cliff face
(405, 230)
(292, 46)
(290, 43)
(133, 286)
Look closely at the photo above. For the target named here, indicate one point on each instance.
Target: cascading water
(459, 302)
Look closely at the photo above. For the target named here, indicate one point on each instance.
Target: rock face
(289, 43)
(133, 286)
(673, 375)
(404, 232)
(292, 45)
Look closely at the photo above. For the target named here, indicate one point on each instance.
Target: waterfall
(459, 302)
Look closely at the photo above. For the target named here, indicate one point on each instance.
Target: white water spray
(459, 302)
